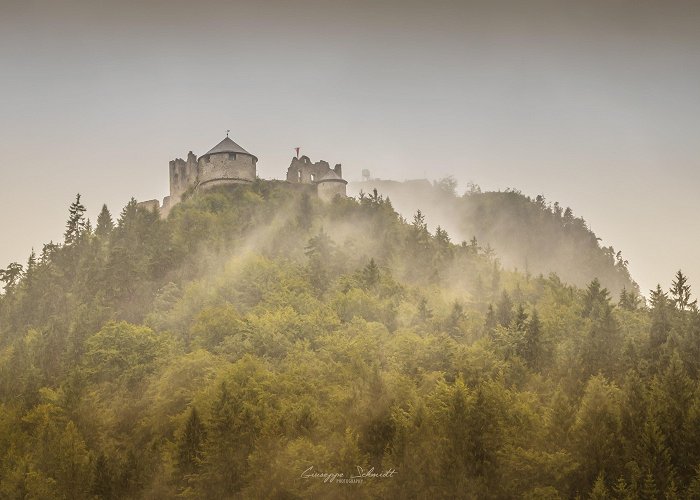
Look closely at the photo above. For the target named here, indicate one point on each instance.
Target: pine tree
(105, 224)
(11, 275)
(520, 320)
(596, 300)
(672, 492)
(221, 456)
(672, 397)
(190, 447)
(504, 310)
(622, 490)
(680, 293)
(370, 274)
(31, 270)
(490, 322)
(102, 484)
(599, 491)
(652, 453)
(532, 349)
(629, 301)
(76, 225)
(424, 312)
(444, 246)
(419, 236)
(568, 218)
(455, 319)
(319, 251)
(649, 489)
(660, 317)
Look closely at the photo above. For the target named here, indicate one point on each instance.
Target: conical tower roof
(331, 176)
(228, 146)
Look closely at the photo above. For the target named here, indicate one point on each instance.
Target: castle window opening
(299, 175)
(232, 156)
(313, 177)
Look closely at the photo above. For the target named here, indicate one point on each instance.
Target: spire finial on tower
(227, 131)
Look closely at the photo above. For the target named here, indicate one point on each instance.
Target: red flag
(297, 150)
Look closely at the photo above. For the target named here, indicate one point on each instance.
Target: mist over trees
(257, 333)
(533, 235)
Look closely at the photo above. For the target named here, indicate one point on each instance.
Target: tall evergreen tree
(629, 301)
(370, 274)
(190, 446)
(504, 310)
(680, 293)
(11, 275)
(532, 345)
(105, 224)
(596, 300)
(320, 252)
(660, 317)
(76, 225)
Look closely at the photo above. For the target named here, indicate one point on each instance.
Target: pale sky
(595, 104)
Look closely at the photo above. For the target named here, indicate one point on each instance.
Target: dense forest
(530, 234)
(260, 344)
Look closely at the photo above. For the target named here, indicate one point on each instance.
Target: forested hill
(528, 234)
(260, 344)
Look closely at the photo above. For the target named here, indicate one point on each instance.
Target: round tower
(224, 164)
(331, 185)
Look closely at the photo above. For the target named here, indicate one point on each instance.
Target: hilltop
(528, 234)
(258, 338)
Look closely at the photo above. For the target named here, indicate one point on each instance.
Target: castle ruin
(329, 182)
(227, 163)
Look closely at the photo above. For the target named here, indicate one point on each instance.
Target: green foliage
(255, 333)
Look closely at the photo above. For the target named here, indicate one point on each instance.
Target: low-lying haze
(594, 104)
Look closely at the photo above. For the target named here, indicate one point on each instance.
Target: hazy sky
(595, 104)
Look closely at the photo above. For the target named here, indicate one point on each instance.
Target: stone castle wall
(302, 170)
(225, 168)
(183, 175)
(330, 189)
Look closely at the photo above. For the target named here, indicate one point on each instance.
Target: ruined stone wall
(225, 168)
(183, 175)
(302, 170)
(330, 189)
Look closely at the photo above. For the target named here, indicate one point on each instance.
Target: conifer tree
(629, 301)
(319, 251)
(596, 300)
(11, 275)
(649, 488)
(419, 235)
(533, 342)
(661, 317)
(190, 448)
(504, 310)
(520, 319)
(491, 321)
(105, 224)
(454, 320)
(442, 239)
(76, 225)
(424, 312)
(102, 485)
(680, 293)
(672, 397)
(599, 491)
(370, 274)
